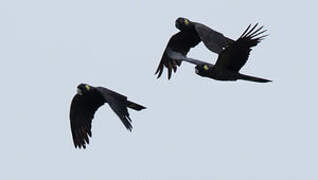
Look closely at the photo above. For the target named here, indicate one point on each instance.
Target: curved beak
(79, 91)
(177, 24)
(196, 71)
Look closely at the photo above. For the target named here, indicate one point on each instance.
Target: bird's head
(83, 89)
(202, 70)
(183, 24)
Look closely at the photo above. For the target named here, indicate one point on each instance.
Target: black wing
(213, 40)
(180, 42)
(83, 108)
(236, 54)
(118, 103)
(180, 57)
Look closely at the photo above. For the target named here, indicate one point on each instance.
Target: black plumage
(86, 102)
(190, 35)
(230, 60)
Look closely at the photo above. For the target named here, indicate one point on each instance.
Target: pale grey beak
(79, 92)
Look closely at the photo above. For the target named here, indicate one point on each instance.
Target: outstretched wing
(83, 108)
(236, 54)
(180, 42)
(213, 40)
(118, 104)
(180, 57)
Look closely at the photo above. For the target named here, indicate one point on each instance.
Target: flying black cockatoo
(190, 34)
(230, 60)
(86, 102)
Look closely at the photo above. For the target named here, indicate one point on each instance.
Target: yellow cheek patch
(87, 87)
(186, 22)
(206, 67)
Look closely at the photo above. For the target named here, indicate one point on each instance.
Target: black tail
(135, 106)
(254, 79)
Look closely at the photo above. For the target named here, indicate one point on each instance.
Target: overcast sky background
(194, 128)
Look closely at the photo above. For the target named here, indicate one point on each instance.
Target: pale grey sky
(194, 128)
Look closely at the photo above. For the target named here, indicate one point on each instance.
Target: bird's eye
(206, 67)
(87, 87)
(186, 22)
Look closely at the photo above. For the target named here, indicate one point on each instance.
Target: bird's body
(183, 41)
(222, 74)
(219, 74)
(86, 102)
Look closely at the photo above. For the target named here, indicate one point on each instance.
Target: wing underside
(213, 40)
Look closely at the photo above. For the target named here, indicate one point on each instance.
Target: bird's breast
(222, 74)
